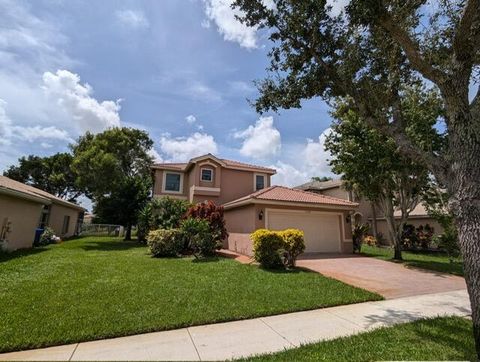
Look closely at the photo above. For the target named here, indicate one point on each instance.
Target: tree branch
(463, 42)
(412, 50)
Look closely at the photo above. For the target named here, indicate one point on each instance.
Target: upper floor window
(206, 175)
(173, 182)
(259, 182)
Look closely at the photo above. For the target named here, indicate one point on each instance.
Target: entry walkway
(256, 336)
(386, 278)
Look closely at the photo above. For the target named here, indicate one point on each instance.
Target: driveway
(389, 279)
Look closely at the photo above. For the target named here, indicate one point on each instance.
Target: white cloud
(155, 155)
(304, 161)
(76, 99)
(199, 91)
(10, 132)
(132, 18)
(261, 140)
(315, 155)
(191, 119)
(288, 175)
(181, 149)
(221, 13)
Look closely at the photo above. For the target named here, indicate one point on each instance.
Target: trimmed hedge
(294, 245)
(277, 249)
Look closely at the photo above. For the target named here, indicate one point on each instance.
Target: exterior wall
(24, 217)
(383, 228)
(241, 222)
(158, 184)
(57, 214)
(232, 183)
(337, 192)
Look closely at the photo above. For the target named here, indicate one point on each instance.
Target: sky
(180, 69)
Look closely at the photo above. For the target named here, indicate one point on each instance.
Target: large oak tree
(365, 53)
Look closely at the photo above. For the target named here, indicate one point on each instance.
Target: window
(259, 182)
(172, 182)
(207, 175)
(66, 224)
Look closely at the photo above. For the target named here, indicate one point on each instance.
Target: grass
(448, 338)
(432, 261)
(96, 287)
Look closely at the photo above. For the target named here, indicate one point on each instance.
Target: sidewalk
(256, 336)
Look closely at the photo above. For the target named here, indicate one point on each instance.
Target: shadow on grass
(454, 268)
(6, 256)
(114, 245)
(209, 259)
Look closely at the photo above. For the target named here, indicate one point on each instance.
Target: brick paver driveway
(386, 278)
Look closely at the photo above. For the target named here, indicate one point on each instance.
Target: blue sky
(180, 69)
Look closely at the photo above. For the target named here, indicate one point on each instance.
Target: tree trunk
(464, 203)
(388, 211)
(374, 221)
(128, 233)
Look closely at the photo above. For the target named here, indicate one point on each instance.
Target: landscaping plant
(268, 248)
(358, 233)
(48, 237)
(214, 214)
(198, 237)
(293, 245)
(163, 242)
(161, 213)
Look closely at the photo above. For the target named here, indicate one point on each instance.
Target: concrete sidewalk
(256, 336)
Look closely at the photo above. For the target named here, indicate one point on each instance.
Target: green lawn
(438, 339)
(432, 261)
(97, 287)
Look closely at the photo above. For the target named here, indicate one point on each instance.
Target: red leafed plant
(209, 211)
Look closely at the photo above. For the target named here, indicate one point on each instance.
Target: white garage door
(322, 231)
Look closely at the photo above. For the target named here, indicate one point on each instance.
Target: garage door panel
(322, 231)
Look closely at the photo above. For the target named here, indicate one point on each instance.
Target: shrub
(198, 237)
(424, 236)
(161, 213)
(48, 237)
(268, 247)
(370, 240)
(293, 245)
(448, 241)
(409, 237)
(358, 233)
(213, 214)
(163, 242)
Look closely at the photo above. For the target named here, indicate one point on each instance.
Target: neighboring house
(251, 203)
(24, 208)
(367, 211)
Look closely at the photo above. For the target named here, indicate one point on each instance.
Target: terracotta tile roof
(320, 185)
(228, 163)
(9, 184)
(246, 165)
(285, 194)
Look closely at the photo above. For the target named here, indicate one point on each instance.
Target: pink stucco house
(251, 202)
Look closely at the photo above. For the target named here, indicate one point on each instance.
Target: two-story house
(251, 202)
(368, 212)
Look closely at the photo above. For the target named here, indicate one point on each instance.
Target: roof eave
(25, 196)
(233, 205)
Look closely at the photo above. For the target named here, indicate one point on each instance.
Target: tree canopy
(52, 174)
(113, 168)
